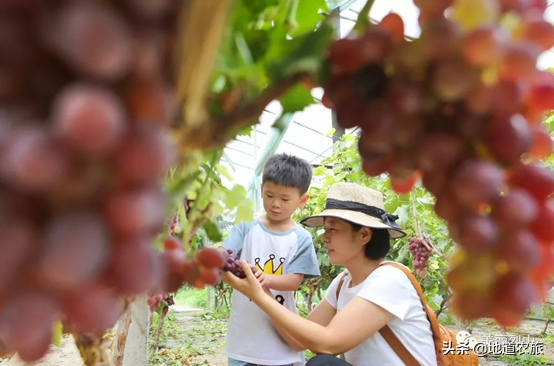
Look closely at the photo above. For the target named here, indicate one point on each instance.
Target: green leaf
(296, 99)
(212, 231)
(331, 132)
(302, 54)
(57, 332)
(245, 212)
(222, 170)
(160, 308)
(308, 15)
(235, 196)
(402, 254)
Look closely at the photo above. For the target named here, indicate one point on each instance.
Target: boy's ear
(262, 190)
(303, 200)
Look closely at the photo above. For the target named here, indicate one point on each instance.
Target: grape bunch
(204, 269)
(175, 226)
(86, 93)
(421, 255)
(461, 108)
(155, 301)
(232, 265)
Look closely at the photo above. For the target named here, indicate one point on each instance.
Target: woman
(357, 235)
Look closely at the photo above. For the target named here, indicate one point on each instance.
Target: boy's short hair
(287, 170)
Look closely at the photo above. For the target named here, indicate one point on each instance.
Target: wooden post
(209, 298)
(136, 346)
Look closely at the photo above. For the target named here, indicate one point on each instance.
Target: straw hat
(360, 205)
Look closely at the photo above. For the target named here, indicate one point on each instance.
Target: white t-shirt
(391, 289)
(251, 336)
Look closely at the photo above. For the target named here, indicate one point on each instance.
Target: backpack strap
(397, 346)
(341, 282)
(430, 313)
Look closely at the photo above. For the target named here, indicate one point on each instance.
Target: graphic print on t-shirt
(269, 265)
(269, 268)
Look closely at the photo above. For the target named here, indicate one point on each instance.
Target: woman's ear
(303, 200)
(365, 234)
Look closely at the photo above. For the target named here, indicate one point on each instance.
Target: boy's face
(280, 202)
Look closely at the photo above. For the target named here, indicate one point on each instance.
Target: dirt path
(191, 338)
(487, 328)
(64, 354)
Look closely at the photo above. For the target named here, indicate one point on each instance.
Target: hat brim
(354, 217)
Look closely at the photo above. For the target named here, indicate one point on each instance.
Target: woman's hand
(249, 286)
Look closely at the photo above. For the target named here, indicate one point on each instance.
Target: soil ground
(193, 337)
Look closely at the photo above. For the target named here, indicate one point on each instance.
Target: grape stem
(215, 131)
(424, 238)
(363, 18)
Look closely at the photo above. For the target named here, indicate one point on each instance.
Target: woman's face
(342, 243)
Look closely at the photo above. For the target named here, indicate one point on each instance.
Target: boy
(283, 254)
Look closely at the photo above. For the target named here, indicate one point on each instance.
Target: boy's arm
(235, 239)
(285, 282)
(303, 265)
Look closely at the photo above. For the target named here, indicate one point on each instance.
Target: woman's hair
(379, 244)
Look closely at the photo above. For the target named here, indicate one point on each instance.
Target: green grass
(525, 360)
(191, 297)
(549, 339)
(446, 318)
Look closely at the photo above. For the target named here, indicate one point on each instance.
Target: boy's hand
(249, 286)
(263, 279)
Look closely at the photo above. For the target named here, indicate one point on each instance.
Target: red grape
(536, 180)
(515, 209)
(520, 250)
(483, 46)
(90, 118)
(210, 258)
(539, 32)
(394, 24)
(94, 40)
(508, 138)
(421, 255)
(85, 92)
(477, 182)
(475, 233)
(75, 250)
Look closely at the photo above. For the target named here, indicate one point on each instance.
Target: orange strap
(430, 313)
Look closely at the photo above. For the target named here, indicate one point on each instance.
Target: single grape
(483, 46)
(476, 182)
(75, 250)
(515, 209)
(508, 138)
(394, 24)
(90, 118)
(477, 234)
(94, 40)
(210, 257)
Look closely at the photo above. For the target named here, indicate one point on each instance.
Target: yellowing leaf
(470, 14)
(57, 331)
